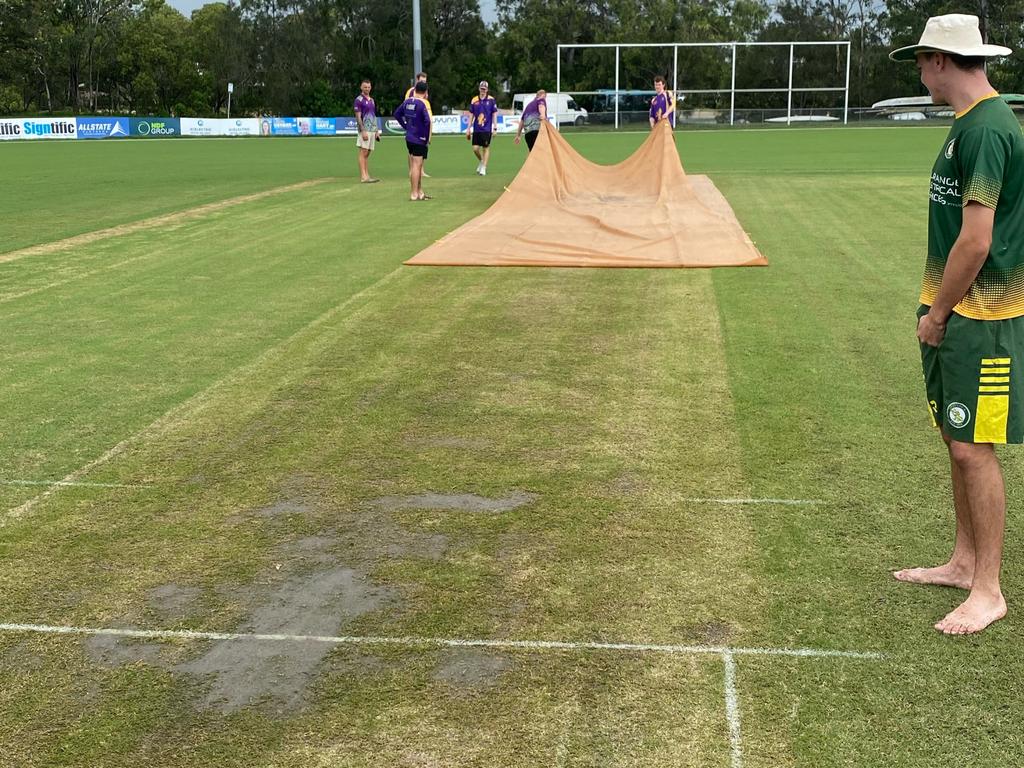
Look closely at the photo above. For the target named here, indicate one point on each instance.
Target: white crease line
(732, 710)
(64, 484)
(193, 402)
(790, 502)
(435, 642)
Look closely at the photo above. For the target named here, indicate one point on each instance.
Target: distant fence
(172, 127)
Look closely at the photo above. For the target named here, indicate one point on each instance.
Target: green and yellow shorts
(975, 393)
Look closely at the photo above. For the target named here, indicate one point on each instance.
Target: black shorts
(482, 138)
(417, 150)
(531, 136)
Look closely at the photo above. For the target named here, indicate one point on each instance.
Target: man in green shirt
(971, 319)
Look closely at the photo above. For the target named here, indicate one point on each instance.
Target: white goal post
(732, 90)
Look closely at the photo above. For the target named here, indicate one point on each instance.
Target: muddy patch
(457, 502)
(275, 674)
(113, 651)
(714, 633)
(471, 668)
(173, 602)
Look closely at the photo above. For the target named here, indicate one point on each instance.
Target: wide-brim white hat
(953, 33)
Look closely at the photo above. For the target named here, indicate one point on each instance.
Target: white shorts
(370, 143)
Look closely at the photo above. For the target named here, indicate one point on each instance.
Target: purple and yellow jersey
(413, 116)
(660, 106)
(367, 110)
(531, 115)
(409, 94)
(482, 114)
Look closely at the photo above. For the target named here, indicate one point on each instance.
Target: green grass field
(270, 426)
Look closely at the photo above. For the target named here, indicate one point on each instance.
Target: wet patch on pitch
(275, 674)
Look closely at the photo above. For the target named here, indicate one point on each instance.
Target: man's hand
(366, 136)
(516, 140)
(469, 135)
(930, 331)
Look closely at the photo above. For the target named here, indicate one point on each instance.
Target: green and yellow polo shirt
(982, 160)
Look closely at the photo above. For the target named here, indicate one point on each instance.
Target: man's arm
(360, 126)
(400, 116)
(965, 260)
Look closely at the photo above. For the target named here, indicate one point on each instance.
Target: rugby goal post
(732, 90)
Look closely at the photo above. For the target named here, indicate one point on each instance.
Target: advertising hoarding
(38, 128)
(102, 127)
(155, 127)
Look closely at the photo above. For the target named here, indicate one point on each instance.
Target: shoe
(478, 167)
(483, 170)
(369, 181)
(426, 175)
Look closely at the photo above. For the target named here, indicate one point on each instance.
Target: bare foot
(947, 575)
(973, 615)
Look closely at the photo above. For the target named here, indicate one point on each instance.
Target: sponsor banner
(155, 127)
(283, 126)
(241, 126)
(39, 128)
(447, 124)
(346, 126)
(198, 126)
(102, 127)
(317, 126)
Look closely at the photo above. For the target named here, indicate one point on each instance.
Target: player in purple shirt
(413, 116)
(368, 130)
(662, 105)
(483, 116)
(533, 117)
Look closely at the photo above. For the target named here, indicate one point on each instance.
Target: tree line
(292, 57)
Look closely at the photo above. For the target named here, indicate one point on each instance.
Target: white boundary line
(65, 484)
(727, 654)
(196, 401)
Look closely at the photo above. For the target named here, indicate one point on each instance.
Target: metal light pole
(417, 43)
(231, 89)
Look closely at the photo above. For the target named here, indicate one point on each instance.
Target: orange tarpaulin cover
(564, 211)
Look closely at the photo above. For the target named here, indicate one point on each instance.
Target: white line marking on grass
(65, 484)
(732, 710)
(728, 655)
(194, 402)
(436, 642)
(155, 222)
(789, 502)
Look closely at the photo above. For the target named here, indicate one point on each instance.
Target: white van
(560, 105)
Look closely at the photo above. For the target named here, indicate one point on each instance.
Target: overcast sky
(487, 9)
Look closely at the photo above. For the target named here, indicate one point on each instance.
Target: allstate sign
(102, 127)
(155, 127)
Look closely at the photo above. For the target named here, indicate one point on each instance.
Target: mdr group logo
(29, 128)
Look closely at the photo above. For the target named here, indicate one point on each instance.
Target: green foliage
(292, 56)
